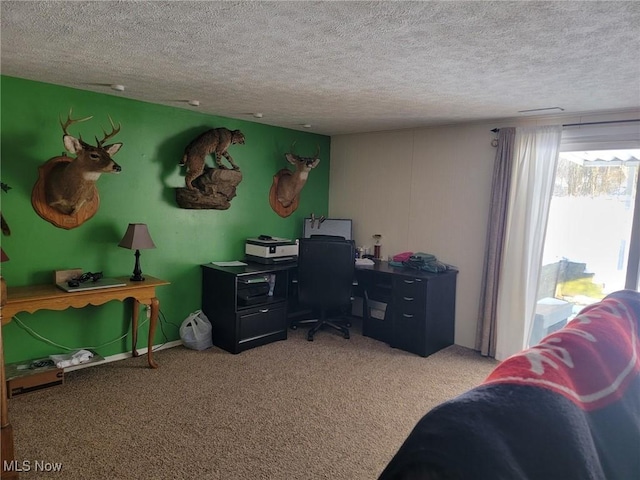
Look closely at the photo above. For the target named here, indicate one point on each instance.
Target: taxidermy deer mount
(284, 195)
(65, 193)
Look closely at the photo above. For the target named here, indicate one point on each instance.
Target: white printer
(266, 249)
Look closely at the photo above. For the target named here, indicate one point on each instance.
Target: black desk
(419, 318)
(420, 312)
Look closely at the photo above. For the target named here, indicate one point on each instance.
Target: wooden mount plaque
(51, 215)
(273, 196)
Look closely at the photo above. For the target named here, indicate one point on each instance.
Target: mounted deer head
(290, 186)
(70, 183)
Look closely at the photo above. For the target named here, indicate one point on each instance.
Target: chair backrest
(326, 266)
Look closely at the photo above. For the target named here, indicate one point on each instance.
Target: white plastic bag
(71, 359)
(195, 331)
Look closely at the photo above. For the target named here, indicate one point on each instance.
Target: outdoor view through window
(588, 234)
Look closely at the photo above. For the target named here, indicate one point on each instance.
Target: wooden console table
(49, 297)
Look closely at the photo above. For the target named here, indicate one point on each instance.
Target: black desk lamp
(137, 238)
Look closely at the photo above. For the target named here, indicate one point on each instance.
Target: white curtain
(535, 159)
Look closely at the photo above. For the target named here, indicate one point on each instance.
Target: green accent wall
(154, 138)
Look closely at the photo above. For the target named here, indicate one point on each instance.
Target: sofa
(567, 408)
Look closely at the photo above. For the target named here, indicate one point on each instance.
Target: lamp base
(137, 271)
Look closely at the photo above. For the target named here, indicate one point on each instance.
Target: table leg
(7, 452)
(155, 308)
(134, 327)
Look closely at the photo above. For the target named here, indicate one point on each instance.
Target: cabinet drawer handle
(407, 315)
(408, 281)
(408, 299)
(264, 310)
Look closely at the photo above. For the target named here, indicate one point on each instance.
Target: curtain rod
(496, 130)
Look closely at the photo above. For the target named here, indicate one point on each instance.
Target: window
(591, 235)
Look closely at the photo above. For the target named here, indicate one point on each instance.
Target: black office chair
(326, 266)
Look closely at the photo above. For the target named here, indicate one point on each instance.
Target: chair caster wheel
(293, 327)
(347, 336)
(310, 338)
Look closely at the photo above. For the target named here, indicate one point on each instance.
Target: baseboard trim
(125, 355)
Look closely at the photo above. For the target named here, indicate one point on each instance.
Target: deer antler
(107, 136)
(293, 151)
(70, 121)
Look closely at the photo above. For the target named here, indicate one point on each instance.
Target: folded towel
(401, 257)
(419, 261)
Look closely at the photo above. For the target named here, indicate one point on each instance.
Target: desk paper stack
(364, 261)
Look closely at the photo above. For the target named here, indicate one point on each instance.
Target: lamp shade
(137, 237)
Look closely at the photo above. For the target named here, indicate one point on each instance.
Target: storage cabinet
(420, 307)
(240, 323)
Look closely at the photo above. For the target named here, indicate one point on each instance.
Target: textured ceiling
(342, 67)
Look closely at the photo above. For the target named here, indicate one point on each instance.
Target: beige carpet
(328, 409)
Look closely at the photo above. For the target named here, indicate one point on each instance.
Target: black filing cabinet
(241, 322)
(420, 307)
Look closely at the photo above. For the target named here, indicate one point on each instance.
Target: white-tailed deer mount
(284, 195)
(65, 193)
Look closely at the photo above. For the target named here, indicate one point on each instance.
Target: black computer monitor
(341, 227)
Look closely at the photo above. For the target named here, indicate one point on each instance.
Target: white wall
(424, 190)
(428, 190)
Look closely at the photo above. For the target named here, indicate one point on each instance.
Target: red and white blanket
(566, 409)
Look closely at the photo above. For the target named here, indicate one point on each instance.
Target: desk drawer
(410, 305)
(409, 314)
(409, 297)
(409, 287)
(409, 331)
(261, 321)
